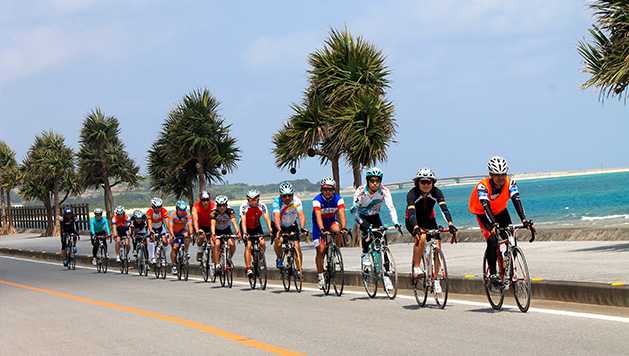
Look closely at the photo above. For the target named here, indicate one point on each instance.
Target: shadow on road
(492, 311)
(606, 248)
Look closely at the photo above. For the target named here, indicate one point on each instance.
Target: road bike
(289, 271)
(334, 271)
(382, 264)
(225, 270)
(182, 261)
(205, 265)
(258, 263)
(160, 257)
(124, 255)
(434, 276)
(102, 261)
(141, 254)
(71, 251)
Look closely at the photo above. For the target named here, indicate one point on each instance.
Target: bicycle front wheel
(262, 271)
(229, 272)
(338, 275)
(521, 280)
(140, 262)
(495, 294)
(254, 270)
(104, 259)
(441, 278)
(222, 268)
(390, 271)
(420, 282)
(205, 265)
(328, 262)
(370, 278)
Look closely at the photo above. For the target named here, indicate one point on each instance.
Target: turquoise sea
(581, 200)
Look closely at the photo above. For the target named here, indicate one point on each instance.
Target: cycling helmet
(98, 212)
(156, 203)
(221, 200)
(252, 194)
(67, 211)
(497, 165)
(205, 195)
(119, 211)
(286, 189)
(138, 214)
(426, 173)
(374, 172)
(328, 182)
(181, 205)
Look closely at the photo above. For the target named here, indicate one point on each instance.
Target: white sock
(151, 248)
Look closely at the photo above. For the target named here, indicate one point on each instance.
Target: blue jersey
(99, 225)
(328, 209)
(288, 213)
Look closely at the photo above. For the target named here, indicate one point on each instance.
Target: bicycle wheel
(146, 261)
(140, 262)
(72, 261)
(521, 281)
(205, 265)
(338, 275)
(163, 264)
(441, 277)
(254, 270)
(222, 269)
(121, 264)
(68, 257)
(104, 259)
(157, 266)
(370, 279)
(262, 271)
(328, 263)
(285, 271)
(390, 272)
(419, 283)
(229, 272)
(495, 295)
(297, 278)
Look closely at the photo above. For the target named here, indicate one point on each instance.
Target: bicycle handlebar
(520, 227)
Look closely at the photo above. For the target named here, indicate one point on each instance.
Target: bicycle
(102, 261)
(206, 265)
(225, 271)
(435, 270)
(258, 263)
(334, 271)
(160, 257)
(183, 263)
(513, 270)
(124, 255)
(289, 256)
(380, 256)
(141, 252)
(71, 251)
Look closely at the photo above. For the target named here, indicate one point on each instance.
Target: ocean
(598, 200)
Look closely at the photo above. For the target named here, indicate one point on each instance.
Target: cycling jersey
(180, 223)
(288, 213)
(68, 225)
(120, 221)
(369, 204)
(223, 220)
(498, 199)
(139, 225)
(203, 214)
(328, 209)
(424, 214)
(157, 217)
(252, 215)
(98, 226)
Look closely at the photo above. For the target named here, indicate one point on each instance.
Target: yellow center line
(208, 329)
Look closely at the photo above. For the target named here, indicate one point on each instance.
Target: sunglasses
(287, 196)
(374, 180)
(426, 182)
(327, 190)
(205, 200)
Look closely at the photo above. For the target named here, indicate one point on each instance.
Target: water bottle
(503, 249)
(376, 260)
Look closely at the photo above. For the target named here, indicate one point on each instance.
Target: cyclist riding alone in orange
(489, 200)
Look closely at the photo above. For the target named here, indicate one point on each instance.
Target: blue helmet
(374, 172)
(181, 205)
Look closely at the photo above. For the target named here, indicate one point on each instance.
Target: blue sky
(469, 78)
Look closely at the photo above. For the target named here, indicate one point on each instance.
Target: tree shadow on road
(490, 310)
(606, 248)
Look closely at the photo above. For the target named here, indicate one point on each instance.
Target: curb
(612, 294)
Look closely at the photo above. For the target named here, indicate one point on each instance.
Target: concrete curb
(566, 291)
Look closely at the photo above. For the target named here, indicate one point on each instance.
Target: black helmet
(67, 211)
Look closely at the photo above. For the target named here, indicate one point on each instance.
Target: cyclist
(157, 218)
(99, 229)
(287, 209)
(121, 222)
(366, 206)
(420, 215)
(139, 226)
(68, 228)
(328, 214)
(179, 227)
(250, 213)
(489, 200)
(223, 219)
(201, 220)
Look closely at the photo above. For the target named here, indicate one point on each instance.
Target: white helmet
(252, 194)
(156, 203)
(497, 165)
(426, 173)
(221, 200)
(286, 188)
(328, 182)
(204, 196)
(119, 210)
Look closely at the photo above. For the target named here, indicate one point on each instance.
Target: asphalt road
(47, 310)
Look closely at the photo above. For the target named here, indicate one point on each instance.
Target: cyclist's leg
(216, 249)
(118, 239)
(277, 245)
(299, 256)
(186, 241)
(335, 228)
(491, 240)
(248, 250)
(319, 245)
(174, 248)
(64, 244)
(432, 225)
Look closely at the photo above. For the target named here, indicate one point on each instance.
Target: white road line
(602, 317)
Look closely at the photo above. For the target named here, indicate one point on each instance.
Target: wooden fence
(35, 217)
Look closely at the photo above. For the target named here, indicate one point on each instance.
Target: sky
(469, 79)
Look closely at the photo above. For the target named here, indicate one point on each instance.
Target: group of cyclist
(209, 219)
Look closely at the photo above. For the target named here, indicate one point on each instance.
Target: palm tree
(49, 171)
(103, 161)
(8, 181)
(195, 147)
(607, 57)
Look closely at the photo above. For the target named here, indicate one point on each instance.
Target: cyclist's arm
(316, 209)
(115, 230)
(107, 228)
(514, 192)
(411, 213)
(213, 226)
(341, 214)
(195, 218)
(355, 205)
(302, 219)
(92, 226)
(276, 220)
(235, 223)
(243, 223)
(441, 200)
(388, 201)
(267, 221)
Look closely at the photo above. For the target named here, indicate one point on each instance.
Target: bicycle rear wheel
(68, 257)
(297, 279)
(328, 263)
(419, 283)
(370, 278)
(521, 280)
(104, 258)
(495, 295)
(390, 272)
(229, 272)
(146, 261)
(441, 277)
(253, 278)
(262, 271)
(285, 272)
(338, 275)
(222, 268)
(205, 265)
(140, 261)
(157, 266)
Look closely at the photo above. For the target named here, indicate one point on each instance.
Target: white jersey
(366, 203)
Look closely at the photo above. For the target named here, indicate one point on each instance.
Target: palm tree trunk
(108, 199)
(9, 212)
(47, 205)
(335, 172)
(55, 213)
(357, 175)
(201, 178)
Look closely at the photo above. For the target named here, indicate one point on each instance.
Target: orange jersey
(180, 223)
(120, 221)
(157, 218)
(498, 201)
